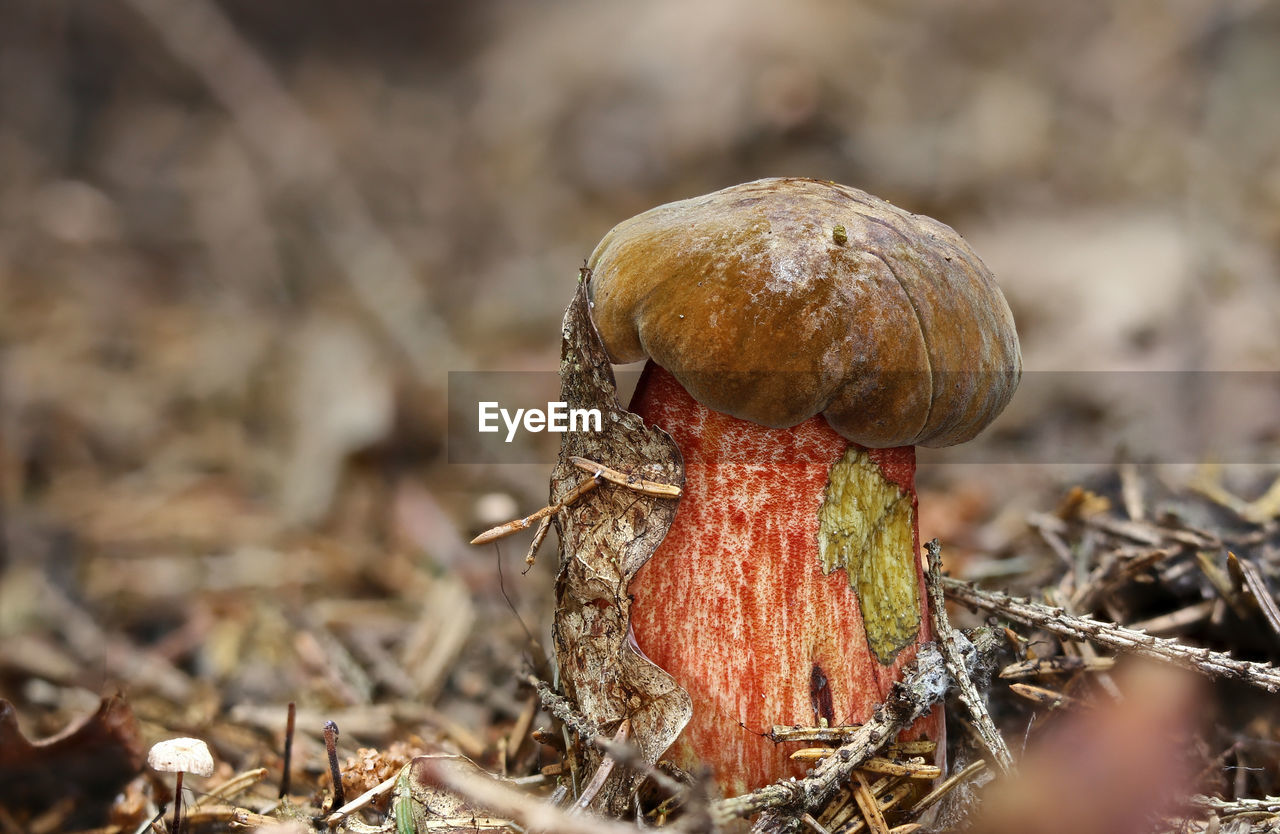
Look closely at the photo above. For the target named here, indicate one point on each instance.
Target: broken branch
(513, 527)
(622, 479)
(924, 683)
(1056, 621)
(953, 655)
(599, 472)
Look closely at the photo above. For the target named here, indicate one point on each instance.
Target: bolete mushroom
(802, 338)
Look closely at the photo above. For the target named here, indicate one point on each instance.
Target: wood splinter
(876, 764)
(513, 527)
(1046, 697)
(599, 472)
(635, 482)
(867, 803)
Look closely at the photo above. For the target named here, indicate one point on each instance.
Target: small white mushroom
(180, 756)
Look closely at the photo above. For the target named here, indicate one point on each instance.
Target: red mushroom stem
(736, 605)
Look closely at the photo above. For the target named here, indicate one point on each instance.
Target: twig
(1055, 665)
(512, 527)
(911, 770)
(813, 824)
(875, 764)
(782, 732)
(1222, 582)
(924, 683)
(337, 815)
(1175, 620)
(599, 472)
(867, 805)
(204, 818)
(229, 789)
(953, 655)
(1246, 573)
(1226, 807)
(884, 802)
(543, 528)
(841, 735)
(1045, 697)
(1265, 508)
(613, 476)
(562, 708)
(1051, 529)
(1150, 534)
(947, 786)
(1113, 570)
(1056, 621)
(606, 767)
(1085, 649)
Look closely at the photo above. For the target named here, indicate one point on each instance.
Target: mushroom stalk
(789, 589)
(177, 805)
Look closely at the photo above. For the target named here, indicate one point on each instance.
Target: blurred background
(242, 245)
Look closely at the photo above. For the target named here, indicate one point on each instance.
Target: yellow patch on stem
(865, 527)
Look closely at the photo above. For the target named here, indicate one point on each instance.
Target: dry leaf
(604, 539)
(89, 761)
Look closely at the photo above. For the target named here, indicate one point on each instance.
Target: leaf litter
(1127, 565)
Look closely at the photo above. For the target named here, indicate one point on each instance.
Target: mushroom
(180, 755)
(803, 337)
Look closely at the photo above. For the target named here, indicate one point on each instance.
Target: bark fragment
(604, 540)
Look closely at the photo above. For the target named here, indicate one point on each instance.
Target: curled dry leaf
(604, 540)
(89, 761)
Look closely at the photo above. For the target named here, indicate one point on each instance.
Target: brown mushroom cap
(783, 298)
